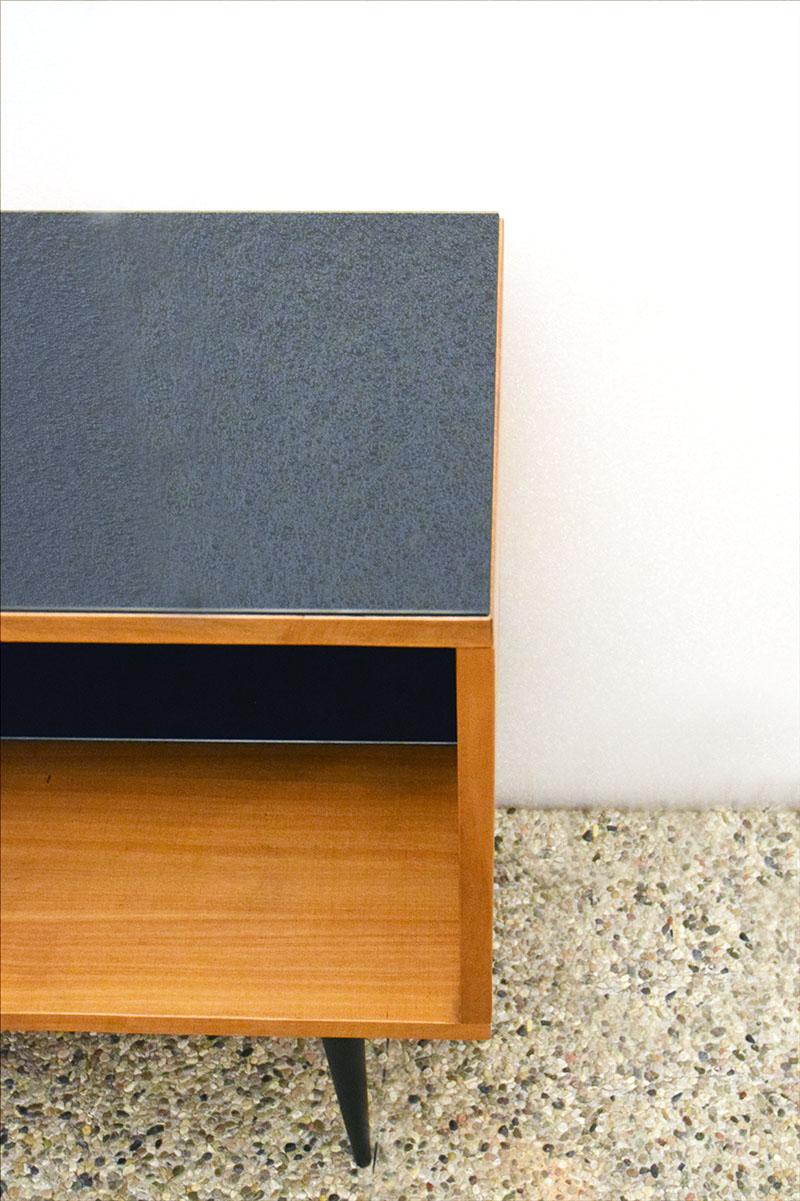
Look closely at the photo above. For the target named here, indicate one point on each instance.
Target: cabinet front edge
(247, 628)
(242, 1026)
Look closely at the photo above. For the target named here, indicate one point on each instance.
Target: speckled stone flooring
(646, 1046)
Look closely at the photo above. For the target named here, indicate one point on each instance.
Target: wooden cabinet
(247, 513)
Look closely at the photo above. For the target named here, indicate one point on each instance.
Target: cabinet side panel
(475, 726)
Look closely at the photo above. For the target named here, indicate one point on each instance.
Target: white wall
(645, 158)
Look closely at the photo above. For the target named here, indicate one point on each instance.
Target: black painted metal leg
(348, 1065)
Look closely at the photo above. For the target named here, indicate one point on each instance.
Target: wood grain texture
(241, 629)
(475, 707)
(217, 888)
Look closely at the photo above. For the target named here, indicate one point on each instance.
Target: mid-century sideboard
(248, 668)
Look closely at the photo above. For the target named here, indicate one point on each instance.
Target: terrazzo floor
(646, 1046)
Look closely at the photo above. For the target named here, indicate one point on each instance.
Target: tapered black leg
(348, 1065)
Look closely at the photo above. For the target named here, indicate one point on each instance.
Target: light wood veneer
(254, 629)
(230, 888)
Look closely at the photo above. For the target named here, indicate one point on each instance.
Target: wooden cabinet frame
(50, 863)
(377, 861)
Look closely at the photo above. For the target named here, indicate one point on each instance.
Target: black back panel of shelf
(221, 693)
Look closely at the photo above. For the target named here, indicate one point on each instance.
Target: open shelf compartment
(232, 888)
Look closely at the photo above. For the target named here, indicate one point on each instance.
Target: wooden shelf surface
(229, 888)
